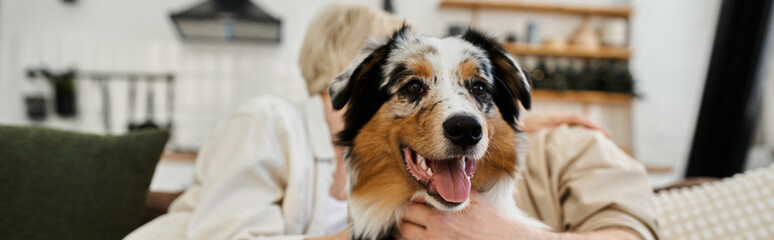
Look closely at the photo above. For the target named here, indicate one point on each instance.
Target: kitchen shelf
(583, 96)
(612, 11)
(569, 51)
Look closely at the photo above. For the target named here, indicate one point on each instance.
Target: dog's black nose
(462, 130)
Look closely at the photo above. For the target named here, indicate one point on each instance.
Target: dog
(431, 118)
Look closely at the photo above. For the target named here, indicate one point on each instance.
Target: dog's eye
(478, 89)
(414, 87)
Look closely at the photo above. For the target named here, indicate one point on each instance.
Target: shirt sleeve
(240, 180)
(578, 180)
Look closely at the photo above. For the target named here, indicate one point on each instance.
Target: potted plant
(64, 91)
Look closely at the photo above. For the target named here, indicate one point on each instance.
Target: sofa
(59, 184)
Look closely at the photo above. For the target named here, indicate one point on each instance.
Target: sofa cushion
(64, 185)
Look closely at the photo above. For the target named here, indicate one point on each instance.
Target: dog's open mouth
(447, 180)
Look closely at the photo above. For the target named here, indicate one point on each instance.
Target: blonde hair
(334, 38)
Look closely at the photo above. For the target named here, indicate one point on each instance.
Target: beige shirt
(576, 179)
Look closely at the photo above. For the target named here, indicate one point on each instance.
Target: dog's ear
(343, 86)
(364, 67)
(510, 81)
(361, 86)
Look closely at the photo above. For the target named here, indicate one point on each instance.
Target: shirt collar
(317, 128)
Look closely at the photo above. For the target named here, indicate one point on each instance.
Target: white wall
(138, 36)
(671, 41)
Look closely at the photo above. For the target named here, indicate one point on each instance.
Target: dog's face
(422, 114)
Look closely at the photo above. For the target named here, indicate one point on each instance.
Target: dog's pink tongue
(450, 180)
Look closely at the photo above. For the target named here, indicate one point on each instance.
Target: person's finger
(594, 126)
(419, 199)
(574, 119)
(475, 196)
(345, 234)
(411, 231)
(417, 214)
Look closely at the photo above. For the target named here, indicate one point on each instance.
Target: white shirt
(263, 173)
(336, 215)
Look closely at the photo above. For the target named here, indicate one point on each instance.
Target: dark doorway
(732, 94)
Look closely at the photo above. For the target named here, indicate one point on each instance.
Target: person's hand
(480, 220)
(345, 234)
(533, 122)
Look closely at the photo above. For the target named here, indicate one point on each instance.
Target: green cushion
(64, 185)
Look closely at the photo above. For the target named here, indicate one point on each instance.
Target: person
(271, 170)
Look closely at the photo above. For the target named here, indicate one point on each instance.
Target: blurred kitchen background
(637, 67)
